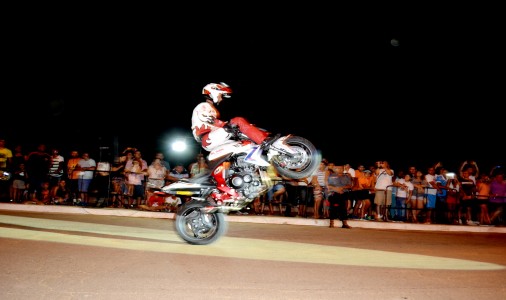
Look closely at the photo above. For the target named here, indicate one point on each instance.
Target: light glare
(179, 146)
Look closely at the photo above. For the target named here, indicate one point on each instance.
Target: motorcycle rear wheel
(197, 227)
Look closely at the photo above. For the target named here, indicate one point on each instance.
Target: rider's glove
(230, 128)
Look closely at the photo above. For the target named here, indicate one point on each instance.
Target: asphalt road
(69, 256)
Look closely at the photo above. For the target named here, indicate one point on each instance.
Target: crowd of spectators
(130, 181)
(467, 196)
(378, 193)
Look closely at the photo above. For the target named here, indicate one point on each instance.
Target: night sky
(428, 96)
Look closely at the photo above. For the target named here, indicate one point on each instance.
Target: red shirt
(156, 200)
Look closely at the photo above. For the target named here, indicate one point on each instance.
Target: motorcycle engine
(245, 179)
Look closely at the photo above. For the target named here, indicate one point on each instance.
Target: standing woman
(199, 167)
(119, 185)
(157, 173)
(418, 195)
(136, 169)
(319, 188)
(19, 183)
(482, 198)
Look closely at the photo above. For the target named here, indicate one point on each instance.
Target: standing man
(72, 174)
(339, 186)
(56, 168)
(37, 168)
(161, 157)
(431, 193)
(85, 170)
(384, 175)
(178, 172)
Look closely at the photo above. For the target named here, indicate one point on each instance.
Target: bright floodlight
(179, 146)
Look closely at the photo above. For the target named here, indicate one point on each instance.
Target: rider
(209, 130)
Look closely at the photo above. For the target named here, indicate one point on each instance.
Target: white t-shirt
(402, 191)
(86, 164)
(173, 201)
(350, 171)
(383, 180)
(430, 190)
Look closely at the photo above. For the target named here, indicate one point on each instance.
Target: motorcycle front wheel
(197, 227)
(301, 165)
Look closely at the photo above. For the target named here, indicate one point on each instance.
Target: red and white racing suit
(208, 129)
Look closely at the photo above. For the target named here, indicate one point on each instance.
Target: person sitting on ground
(172, 202)
(41, 198)
(156, 202)
(61, 193)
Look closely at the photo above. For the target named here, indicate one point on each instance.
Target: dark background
(436, 96)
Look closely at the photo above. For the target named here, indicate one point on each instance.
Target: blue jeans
(275, 188)
(400, 208)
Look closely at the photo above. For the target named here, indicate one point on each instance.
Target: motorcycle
(238, 174)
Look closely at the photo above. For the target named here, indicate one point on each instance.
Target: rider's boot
(228, 190)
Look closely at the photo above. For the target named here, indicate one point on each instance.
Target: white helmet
(214, 90)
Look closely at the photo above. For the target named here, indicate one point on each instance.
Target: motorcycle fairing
(255, 157)
(253, 152)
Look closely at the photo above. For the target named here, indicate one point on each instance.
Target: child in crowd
(41, 198)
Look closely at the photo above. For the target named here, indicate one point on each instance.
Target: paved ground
(98, 254)
(253, 218)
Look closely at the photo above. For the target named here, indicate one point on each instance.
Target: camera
(450, 175)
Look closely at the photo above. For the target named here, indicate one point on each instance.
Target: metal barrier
(403, 211)
(393, 211)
